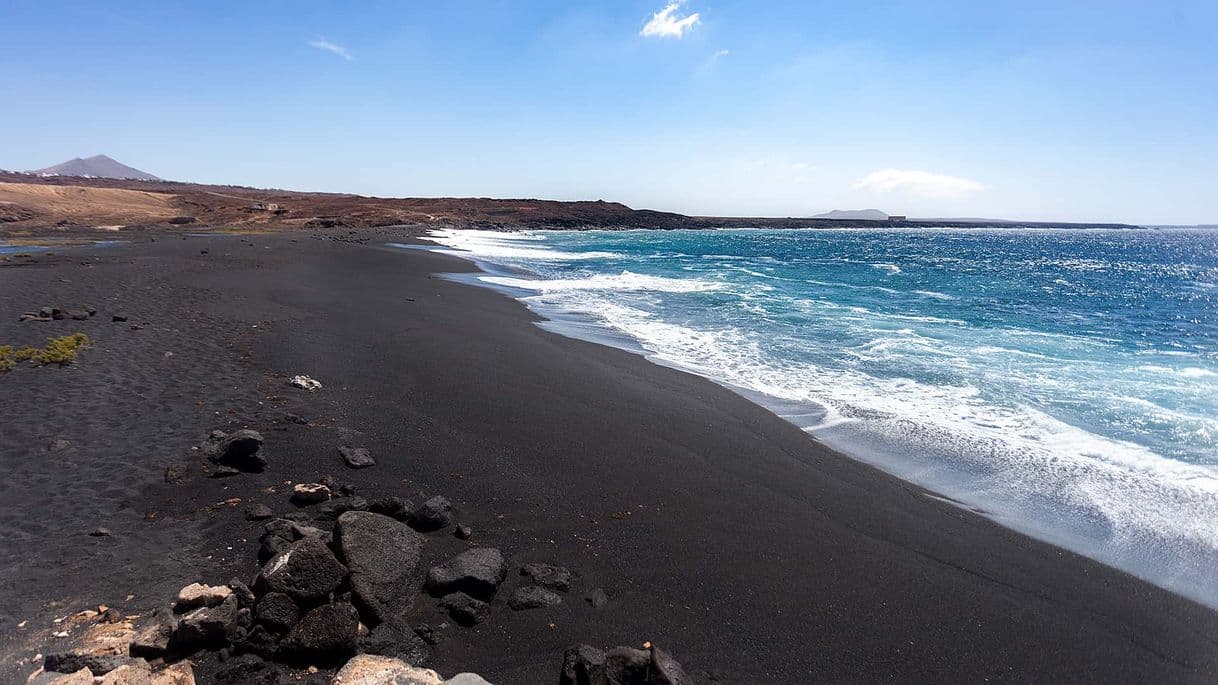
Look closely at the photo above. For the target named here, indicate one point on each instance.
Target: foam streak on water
(1062, 382)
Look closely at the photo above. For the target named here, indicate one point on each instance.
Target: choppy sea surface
(1062, 382)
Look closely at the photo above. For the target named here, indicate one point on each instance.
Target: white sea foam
(495, 245)
(625, 281)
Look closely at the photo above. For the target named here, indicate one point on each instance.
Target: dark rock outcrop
(476, 572)
(306, 570)
(383, 556)
(277, 611)
(393, 638)
(586, 665)
(240, 450)
(326, 634)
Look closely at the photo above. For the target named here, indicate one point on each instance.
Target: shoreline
(719, 530)
(1036, 520)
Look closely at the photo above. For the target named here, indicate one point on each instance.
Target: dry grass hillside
(35, 204)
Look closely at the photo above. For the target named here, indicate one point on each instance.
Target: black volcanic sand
(718, 530)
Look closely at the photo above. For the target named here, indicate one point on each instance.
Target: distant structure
(264, 206)
(897, 217)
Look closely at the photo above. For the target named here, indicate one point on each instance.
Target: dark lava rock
(433, 514)
(627, 665)
(357, 457)
(206, 627)
(101, 533)
(118, 318)
(666, 671)
(45, 312)
(547, 576)
(396, 507)
(464, 609)
(307, 570)
(249, 669)
(463, 532)
(383, 556)
(277, 611)
(347, 490)
(240, 450)
(176, 474)
(326, 634)
(476, 572)
(582, 665)
(597, 598)
(58, 314)
(243, 593)
(428, 634)
(533, 597)
(69, 662)
(296, 418)
(151, 640)
(258, 512)
(259, 640)
(394, 639)
(80, 315)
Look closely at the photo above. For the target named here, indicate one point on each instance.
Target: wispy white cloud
(720, 55)
(323, 44)
(918, 183)
(668, 24)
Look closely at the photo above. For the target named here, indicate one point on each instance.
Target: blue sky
(1040, 110)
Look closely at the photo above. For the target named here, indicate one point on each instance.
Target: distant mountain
(99, 166)
(854, 215)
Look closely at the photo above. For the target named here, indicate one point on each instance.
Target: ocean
(1062, 382)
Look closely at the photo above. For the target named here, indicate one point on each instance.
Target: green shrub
(57, 351)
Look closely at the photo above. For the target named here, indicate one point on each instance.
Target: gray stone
(533, 597)
(206, 627)
(151, 640)
(627, 665)
(597, 598)
(476, 572)
(582, 665)
(666, 671)
(464, 609)
(433, 514)
(357, 457)
(555, 578)
(383, 556)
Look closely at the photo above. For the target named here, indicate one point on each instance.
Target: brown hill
(30, 203)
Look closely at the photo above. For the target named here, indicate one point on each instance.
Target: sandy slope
(90, 205)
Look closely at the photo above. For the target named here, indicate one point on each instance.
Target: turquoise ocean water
(1064, 383)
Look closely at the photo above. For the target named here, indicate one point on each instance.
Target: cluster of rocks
(59, 314)
(586, 665)
(339, 580)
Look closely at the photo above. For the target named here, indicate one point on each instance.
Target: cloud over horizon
(667, 24)
(335, 48)
(918, 183)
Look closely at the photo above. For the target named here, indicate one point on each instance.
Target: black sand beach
(718, 531)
